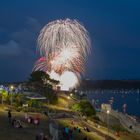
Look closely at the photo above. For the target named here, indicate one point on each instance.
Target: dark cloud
(33, 24)
(27, 36)
(11, 48)
(18, 54)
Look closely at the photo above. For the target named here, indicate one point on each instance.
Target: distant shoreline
(110, 84)
(99, 84)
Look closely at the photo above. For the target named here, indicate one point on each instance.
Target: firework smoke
(63, 45)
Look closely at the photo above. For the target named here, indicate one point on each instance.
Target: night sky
(113, 25)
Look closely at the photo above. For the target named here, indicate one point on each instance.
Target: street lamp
(11, 87)
(71, 94)
(1, 97)
(68, 97)
(108, 111)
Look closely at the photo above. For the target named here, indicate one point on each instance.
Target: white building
(105, 107)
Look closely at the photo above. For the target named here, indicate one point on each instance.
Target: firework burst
(63, 45)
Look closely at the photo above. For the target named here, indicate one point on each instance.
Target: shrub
(84, 107)
(52, 97)
(118, 128)
(34, 103)
(31, 109)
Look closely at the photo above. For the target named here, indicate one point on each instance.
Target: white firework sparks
(64, 45)
(57, 34)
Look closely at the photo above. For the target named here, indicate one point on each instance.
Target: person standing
(9, 116)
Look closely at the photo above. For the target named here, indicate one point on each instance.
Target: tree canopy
(42, 78)
(42, 83)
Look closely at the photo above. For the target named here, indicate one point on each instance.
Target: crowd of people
(34, 120)
(17, 122)
(68, 133)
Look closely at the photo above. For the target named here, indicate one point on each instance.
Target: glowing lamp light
(71, 94)
(108, 111)
(68, 97)
(12, 87)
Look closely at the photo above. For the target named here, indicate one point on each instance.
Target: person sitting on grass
(26, 116)
(36, 121)
(16, 123)
(30, 119)
(86, 129)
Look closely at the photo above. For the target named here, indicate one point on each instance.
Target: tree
(3, 95)
(42, 83)
(34, 103)
(19, 99)
(38, 76)
(40, 79)
(84, 107)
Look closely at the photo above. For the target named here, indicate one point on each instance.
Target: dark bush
(84, 107)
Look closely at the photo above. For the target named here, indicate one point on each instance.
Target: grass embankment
(64, 103)
(28, 132)
(82, 134)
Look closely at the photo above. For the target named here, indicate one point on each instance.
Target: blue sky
(113, 26)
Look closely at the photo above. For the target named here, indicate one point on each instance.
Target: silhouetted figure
(9, 116)
(45, 138)
(41, 136)
(72, 122)
(37, 137)
(88, 129)
(85, 138)
(130, 127)
(45, 113)
(71, 135)
(66, 130)
(13, 122)
(77, 129)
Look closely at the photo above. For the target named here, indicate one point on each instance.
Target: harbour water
(127, 101)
